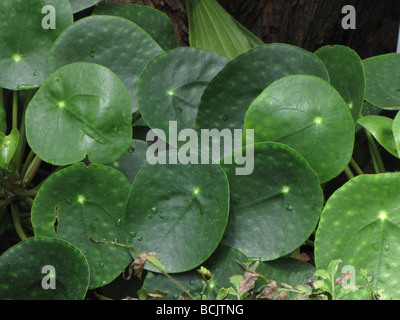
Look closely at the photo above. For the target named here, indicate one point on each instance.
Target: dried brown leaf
(249, 279)
(270, 291)
(137, 266)
(344, 278)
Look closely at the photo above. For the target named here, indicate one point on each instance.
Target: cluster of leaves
(82, 198)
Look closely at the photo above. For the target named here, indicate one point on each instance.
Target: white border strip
(398, 42)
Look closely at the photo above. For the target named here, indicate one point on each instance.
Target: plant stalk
(32, 170)
(15, 110)
(17, 222)
(356, 167)
(376, 157)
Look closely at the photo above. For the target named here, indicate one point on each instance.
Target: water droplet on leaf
(154, 210)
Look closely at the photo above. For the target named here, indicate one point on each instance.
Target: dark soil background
(309, 24)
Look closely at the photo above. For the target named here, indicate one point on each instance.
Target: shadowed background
(309, 24)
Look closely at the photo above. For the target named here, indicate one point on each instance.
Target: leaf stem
(28, 161)
(356, 167)
(376, 157)
(17, 222)
(32, 170)
(15, 110)
(350, 175)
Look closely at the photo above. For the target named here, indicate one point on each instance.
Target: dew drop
(115, 129)
(375, 247)
(150, 216)
(133, 234)
(131, 150)
(118, 222)
(289, 208)
(75, 86)
(35, 74)
(225, 118)
(154, 210)
(92, 54)
(387, 266)
(140, 238)
(387, 248)
(102, 265)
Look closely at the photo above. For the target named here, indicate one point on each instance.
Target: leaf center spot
(81, 199)
(17, 57)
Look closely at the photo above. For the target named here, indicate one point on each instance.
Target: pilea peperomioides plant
(83, 193)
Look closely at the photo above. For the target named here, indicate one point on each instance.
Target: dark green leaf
(157, 24)
(228, 96)
(274, 210)
(183, 205)
(22, 273)
(25, 44)
(84, 202)
(180, 76)
(347, 75)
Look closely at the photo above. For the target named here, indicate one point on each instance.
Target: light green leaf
(116, 43)
(8, 147)
(383, 83)
(212, 28)
(382, 128)
(82, 109)
(307, 114)
(364, 231)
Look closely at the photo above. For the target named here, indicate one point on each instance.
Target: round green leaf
(347, 75)
(222, 265)
(25, 44)
(130, 164)
(383, 83)
(79, 5)
(382, 129)
(180, 76)
(22, 272)
(79, 202)
(114, 42)
(307, 114)
(156, 23)
(364, 231)
(276, 208)
(228, 96)
(178, 211)
(82, 109)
